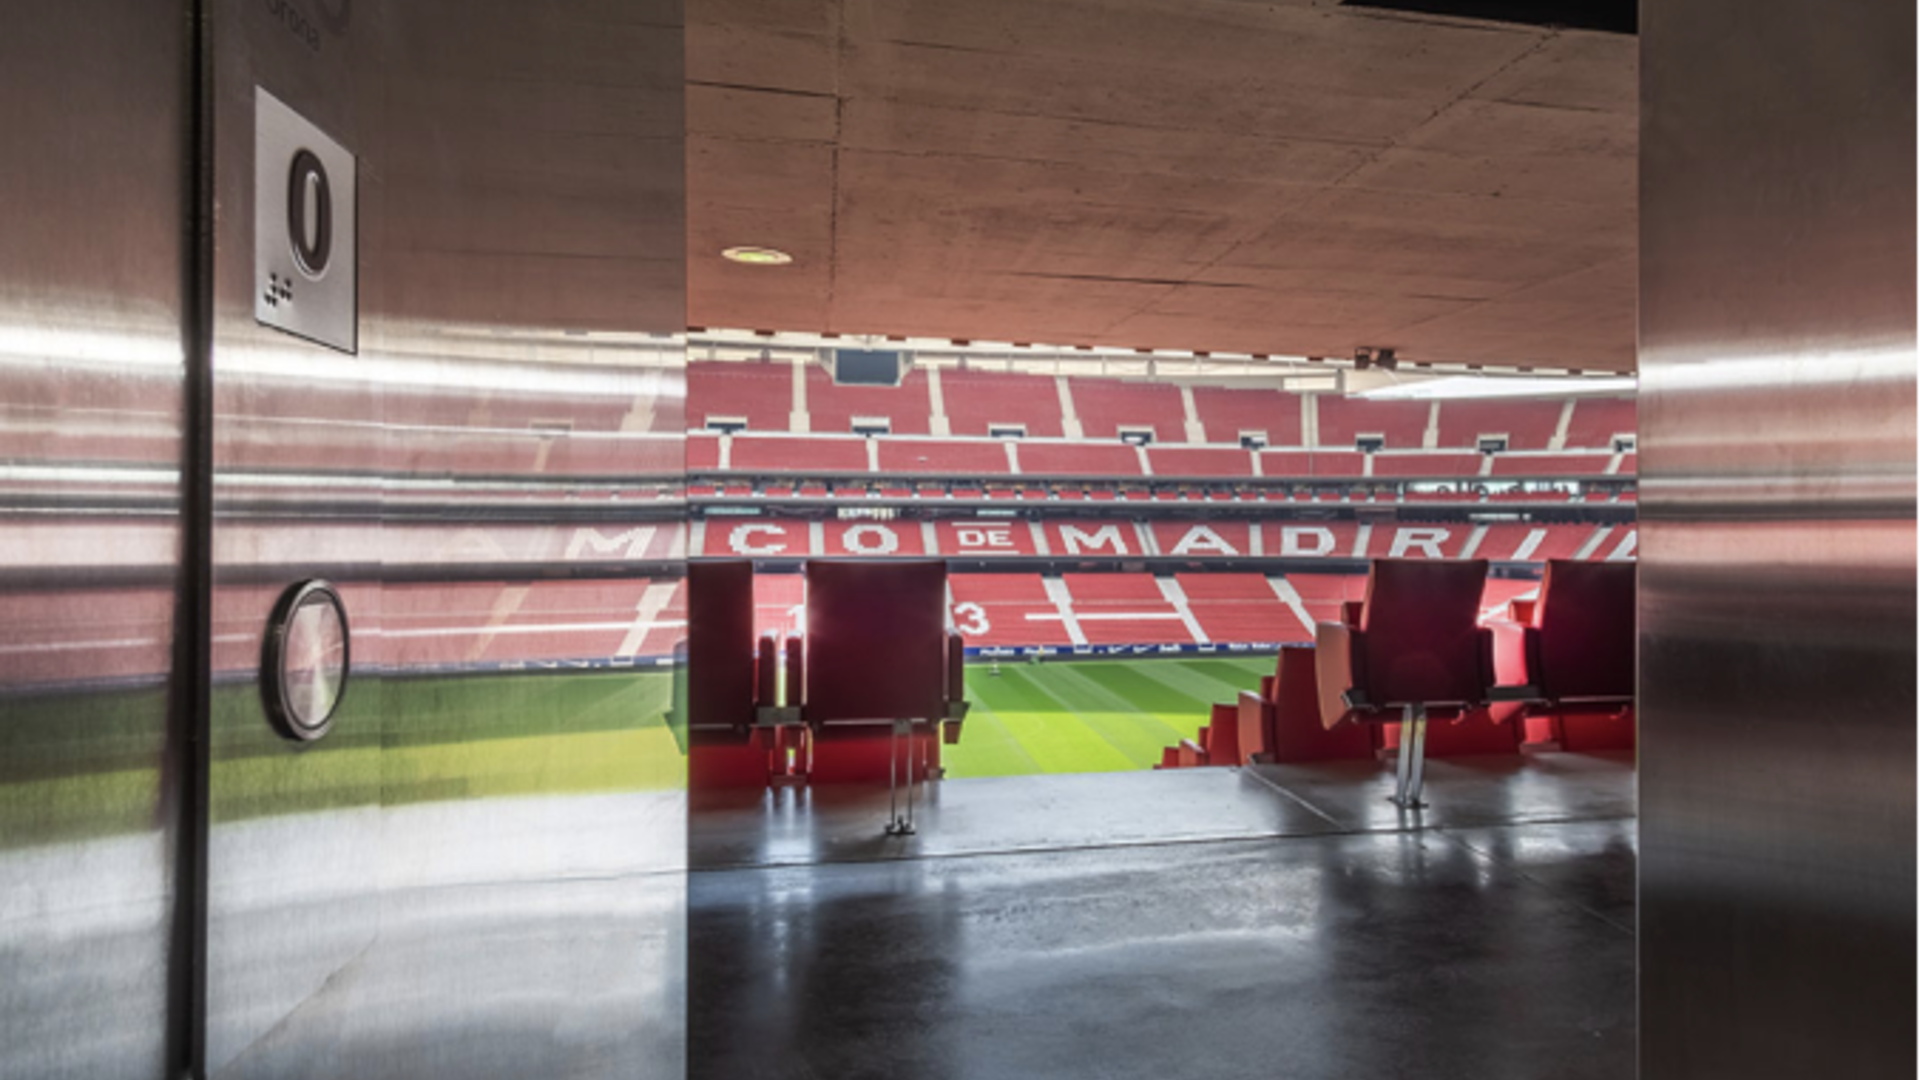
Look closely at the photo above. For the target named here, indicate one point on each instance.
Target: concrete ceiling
(1287, 177)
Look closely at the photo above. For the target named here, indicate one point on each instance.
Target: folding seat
(1223, 736)
(882, 675)
(1575, 654)
(1189, 754)
(1414, 653)
(1282, 722)
(726, 680)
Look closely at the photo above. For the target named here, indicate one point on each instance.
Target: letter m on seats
(631, 544)
(1105, 536)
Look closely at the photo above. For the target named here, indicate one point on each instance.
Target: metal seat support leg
(1411, 779)
(897, 825)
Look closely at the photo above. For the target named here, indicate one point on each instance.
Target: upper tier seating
(976, 399)
(1527, 424)
(1596, 420)
(1427, 464)
(762, 394)
(1225, 413)
(703, 453)
(1305, 464)
(798, 453)
(1199, 461)
(1103, 406)
(1402, 423)
(1079, 459)
(831, 407)
(1550, 464)
(947, 457)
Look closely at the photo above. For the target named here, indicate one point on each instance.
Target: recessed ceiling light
(757, 256)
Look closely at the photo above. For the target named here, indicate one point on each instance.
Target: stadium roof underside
(1296, 178)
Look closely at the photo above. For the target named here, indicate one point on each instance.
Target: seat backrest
(1586, 621)
(720, 643)
(876, 639)
(1422, 637)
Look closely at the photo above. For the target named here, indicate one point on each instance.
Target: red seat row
(1559, 667)
(876, 674)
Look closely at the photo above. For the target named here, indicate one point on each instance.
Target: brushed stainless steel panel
(1777, 539)
(479, 872)
(93, 174)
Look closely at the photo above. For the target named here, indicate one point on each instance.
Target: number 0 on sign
(304, 249)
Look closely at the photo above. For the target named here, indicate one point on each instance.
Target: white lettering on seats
(971, 619)
(1076, 541)
(633, 541)
(1427, 540)
(742, 543)
(1292, 535)
(886, 543)
(1202, 538)
(989, 536)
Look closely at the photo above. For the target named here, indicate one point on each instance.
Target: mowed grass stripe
(1242, 672)
(1146, 708)
(1049, 729)
(1091, 715)
(1208, 684)
(987, 748)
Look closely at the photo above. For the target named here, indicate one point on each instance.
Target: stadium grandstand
(1143, 508)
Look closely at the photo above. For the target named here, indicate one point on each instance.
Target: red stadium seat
(724, 749)
(876, 668)
(1415, 653)
(1527, 425)
(1282, 723)
(976, 401)
(1403, 424)
(1597, 421)
(1223, 736)
(1225, 412)
(1577, 653)
(1104, 406)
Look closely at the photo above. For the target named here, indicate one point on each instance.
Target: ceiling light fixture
(757, 256)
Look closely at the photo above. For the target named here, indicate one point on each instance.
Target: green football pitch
(87, 764)
(1090, 715)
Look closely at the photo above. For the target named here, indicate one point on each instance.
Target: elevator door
(447, 383)
(93, 196)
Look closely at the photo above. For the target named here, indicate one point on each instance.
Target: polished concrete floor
(1283, 921)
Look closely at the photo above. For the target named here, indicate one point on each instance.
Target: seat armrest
(1256, 725)
(1338, 649)
(1488, 677)
(766, 673)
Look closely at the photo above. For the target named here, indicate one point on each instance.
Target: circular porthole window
(305, 660)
